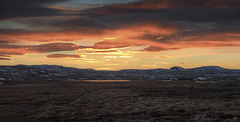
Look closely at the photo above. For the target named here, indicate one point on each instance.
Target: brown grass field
(144, 101)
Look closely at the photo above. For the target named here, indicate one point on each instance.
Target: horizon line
(123, 69)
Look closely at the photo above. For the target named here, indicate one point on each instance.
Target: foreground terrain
(146, 101)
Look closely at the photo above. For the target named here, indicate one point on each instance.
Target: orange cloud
(128, 36)
(158, 45)
(3, 55)
(164, 57)
(105, 51)
(21, 36)
(195, 44)
(81, 33)
(108, 44)
(8, 50)
(158, 36)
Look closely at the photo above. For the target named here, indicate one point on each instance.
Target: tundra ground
(145, 101)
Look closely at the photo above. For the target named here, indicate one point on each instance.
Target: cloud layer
(52, 26)
(27, 8)
(63, 56)
(8, 50)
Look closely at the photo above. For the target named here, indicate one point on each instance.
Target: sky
(120, 34)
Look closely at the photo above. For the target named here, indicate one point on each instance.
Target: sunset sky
(120, 34)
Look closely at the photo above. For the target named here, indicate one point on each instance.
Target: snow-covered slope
(55, 72)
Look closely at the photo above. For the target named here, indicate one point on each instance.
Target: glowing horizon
(124, 34)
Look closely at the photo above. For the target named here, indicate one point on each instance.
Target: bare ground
(146, 101)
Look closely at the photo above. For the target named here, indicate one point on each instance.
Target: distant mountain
(176, 68)
(55, 72)
(209, 68)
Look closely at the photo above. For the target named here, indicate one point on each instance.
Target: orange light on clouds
(132, 35)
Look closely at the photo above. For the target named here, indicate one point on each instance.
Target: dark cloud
(194, 15)
(144, 22)
(54, 47)
(156, 37)
(63, 56)
(93, 23)
(3, 59)
(3, 41)
(194, 36)
(27, 8)
(8, 50)
(157, 49)
(12, 31)
(221, 31)
(155, 5)
(7, 53)
(81, 22)
(174, 11)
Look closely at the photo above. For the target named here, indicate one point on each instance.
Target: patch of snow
(3, 70)
(44, 76)
(2, 79)
(200, 78)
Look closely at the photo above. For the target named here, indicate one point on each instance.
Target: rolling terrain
(60, 73)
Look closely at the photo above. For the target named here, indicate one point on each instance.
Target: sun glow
(121, 35)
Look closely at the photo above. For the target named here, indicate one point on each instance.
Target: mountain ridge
(208, 66)
(58, 72)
